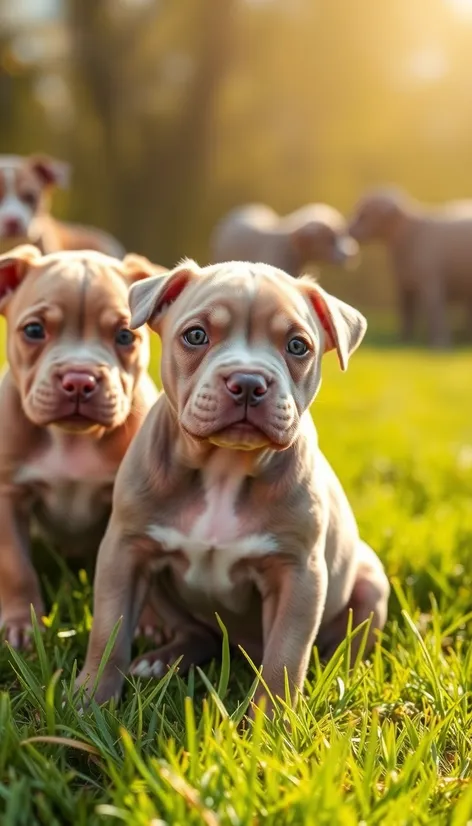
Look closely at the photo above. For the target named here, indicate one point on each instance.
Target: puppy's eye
(29, 198)
(34, 331)
(297, 346)
(195, 336)
(124, 337)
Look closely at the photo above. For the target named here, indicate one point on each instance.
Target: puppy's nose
(246, 388)
(12, 226)
(78, 384)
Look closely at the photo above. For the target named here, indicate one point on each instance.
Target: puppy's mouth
(78, 423)
(269, 423)
(345, 250)
(241, 435)
(7, 241)
(81, 419)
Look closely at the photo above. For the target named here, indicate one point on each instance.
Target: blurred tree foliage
(173, 111)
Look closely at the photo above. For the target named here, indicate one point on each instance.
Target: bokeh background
(173, 111)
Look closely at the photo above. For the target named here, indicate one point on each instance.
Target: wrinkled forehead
(72, 282)
(17, 174)
(257, 299)
(9, 173)
(10, 162)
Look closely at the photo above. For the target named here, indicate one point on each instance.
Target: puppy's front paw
(83, 690)
(263, 703)
(18, 632)
(145, 667)
(152, 628)
(187, 647)
(109, 687)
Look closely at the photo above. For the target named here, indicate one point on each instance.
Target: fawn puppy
(224, 502)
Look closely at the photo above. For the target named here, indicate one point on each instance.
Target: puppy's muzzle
(13, 228)
(248, 389)
(344, 249)
(78, 385)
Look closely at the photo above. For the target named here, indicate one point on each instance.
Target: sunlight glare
(462, 7)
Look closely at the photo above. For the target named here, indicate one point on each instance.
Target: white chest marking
(217, 539)
(66, 458)
(11, 207)
(71, 479)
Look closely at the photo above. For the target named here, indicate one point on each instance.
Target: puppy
(314, 234)
(76, 392)
(431, 256)
(26, 185)
(224, 502)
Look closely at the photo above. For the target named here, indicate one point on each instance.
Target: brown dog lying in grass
(224, 503)
(76, 392)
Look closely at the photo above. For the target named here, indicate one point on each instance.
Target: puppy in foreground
(224, 502)
(76, 392)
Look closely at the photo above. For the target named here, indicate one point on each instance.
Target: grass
(389, 743)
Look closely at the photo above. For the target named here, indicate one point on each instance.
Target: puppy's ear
(344, 326)
(149, 298)
(137, 267)
(13, 268)
(50, 171)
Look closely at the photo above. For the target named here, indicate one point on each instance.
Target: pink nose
(246, 388)
(12, 226)
(78, 384)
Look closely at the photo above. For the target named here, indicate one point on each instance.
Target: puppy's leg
(19, 584)
(190, 640)
(407, 306)
(152, 627)
(194, 647)
(120, 590)
(369, 597)
(435, 308)
(468, 330)
(293, 603)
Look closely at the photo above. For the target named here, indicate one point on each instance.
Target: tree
(154, 157)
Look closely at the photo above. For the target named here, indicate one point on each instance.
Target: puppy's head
(323, 238)
(71, 352)
(242, 347)
(25, 185)
(378, 215)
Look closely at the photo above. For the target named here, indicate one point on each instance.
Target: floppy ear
(150, 297)
(137, 267)
(344, 326)
(13, 268)
(50, 171)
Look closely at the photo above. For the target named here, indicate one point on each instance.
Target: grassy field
(387, 744)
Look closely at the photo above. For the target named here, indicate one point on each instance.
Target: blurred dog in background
(313, 234)
(431, 256)
(26, 186)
